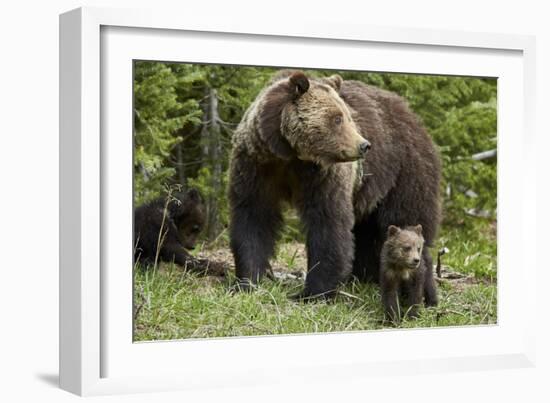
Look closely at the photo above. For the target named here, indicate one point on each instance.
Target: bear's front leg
(389, 291)
(173, 251)
(255, 222)
(415, 292)
(328, 219)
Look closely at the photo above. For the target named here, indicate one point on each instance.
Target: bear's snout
(364, 147)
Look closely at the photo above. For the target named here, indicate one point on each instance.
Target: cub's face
(317, 123)
(190, 229)
(405, 246)
(191, 217)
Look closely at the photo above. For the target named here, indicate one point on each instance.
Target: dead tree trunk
(180, 166)
(211, 147)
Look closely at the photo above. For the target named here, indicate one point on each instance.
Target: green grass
(472, 248)
(175, 304)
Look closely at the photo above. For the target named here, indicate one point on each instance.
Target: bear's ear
(418, 229)
(393, 230)
(282, 75)
(299, 83)
(193, 195)
(335, 81)
(268, 119)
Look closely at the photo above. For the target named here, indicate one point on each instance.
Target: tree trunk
(180, 167)
(211, 147)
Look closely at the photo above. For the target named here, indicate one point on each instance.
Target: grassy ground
(174, 304)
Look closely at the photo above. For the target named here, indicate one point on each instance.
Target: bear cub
(401, 271)
(174, 222)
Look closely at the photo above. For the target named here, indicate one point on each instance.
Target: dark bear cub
(172, 223)
(402, 271)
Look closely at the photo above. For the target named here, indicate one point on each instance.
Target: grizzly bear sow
(305, 141)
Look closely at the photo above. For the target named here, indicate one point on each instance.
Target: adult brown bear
(305, 141)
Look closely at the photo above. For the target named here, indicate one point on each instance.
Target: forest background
(185, 115)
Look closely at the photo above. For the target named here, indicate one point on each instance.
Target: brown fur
(401, 271)
(304, 141)
(173, 223)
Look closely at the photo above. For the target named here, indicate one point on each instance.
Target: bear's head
(188, 212)
(404, 246)
(307, 119)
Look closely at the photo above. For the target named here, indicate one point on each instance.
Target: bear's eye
(418, 249)
(338, 120)
(195, 229)
(407, 248)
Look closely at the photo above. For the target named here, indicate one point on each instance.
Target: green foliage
(464, 132)
(157, 117)
(180, 140)
(472, 247)
(176, 141)
(202, 182)
(460, 115)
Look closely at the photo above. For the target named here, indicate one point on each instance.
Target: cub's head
(307, 119)
(404, 246)
(188, 212)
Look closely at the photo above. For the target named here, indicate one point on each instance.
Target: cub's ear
(393, 230)
(300, 83)
(193, 195)
(418, 229)
(335, 81)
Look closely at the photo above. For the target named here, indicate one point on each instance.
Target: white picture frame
(96, 355)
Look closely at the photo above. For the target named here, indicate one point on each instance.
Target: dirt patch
(290, 263)
(458, 281)
(222, 255)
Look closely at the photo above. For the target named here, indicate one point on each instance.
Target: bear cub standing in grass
(401, 274)
(173, 222)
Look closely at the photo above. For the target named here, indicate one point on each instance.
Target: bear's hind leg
(430, 291)
(254, 230)
(367, 250)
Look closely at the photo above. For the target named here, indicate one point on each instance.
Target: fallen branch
(440, 253)
(138, 308)
(347, 294)
(484, 155)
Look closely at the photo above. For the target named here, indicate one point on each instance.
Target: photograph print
(276, 201)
